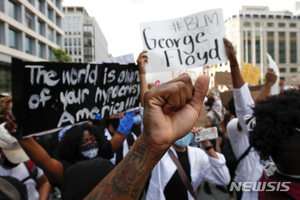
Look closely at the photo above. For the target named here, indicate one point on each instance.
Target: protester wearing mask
(80, 146)
(165, 181)
(12, 164)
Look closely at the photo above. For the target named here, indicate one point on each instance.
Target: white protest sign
(162, 77)
(122, 60)
(275, 89)
(187, 42)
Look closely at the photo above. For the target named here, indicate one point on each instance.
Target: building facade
(255, 31)
(84, 40)
(28, 31)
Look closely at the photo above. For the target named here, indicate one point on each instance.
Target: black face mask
(8, 164)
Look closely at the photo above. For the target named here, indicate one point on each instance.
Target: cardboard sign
(223, 78)
(187, 42)
(250, 73)
(227, 95)
(48, 96)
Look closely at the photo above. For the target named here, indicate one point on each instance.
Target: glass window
(50, 34)
(257, 24)
(75, 41)
(66, 42)
(50, 56)
(281, 24)
(293, 25)
(40, 50)
(247, 24)
(282, 48)
(79, 41)
(282, 69)
(293, 69)
(270, 24)
(293, 47)
(28, 45)
(12, 10)
(79, 51)
(28, 20)
(271, 44)
(13, 39)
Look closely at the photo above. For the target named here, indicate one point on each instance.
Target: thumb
(200, 90)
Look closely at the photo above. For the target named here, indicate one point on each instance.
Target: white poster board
(275, 89)
(187, 42)
(122, 60)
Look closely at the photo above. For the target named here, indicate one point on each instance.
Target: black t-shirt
(175, 189)
(80, 178)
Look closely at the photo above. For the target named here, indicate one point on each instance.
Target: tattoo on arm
(127, 180)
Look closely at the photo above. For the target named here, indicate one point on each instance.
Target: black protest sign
(48, 95)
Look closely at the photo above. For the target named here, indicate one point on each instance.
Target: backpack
(12, 188)
(32, 170)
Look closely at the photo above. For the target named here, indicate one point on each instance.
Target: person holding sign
(83, 149)
(248, 168)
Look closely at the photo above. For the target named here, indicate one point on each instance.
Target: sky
(119, 19)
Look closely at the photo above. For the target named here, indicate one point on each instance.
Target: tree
(60, 55)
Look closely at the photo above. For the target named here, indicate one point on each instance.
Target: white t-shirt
(20, 172)
(249, 168)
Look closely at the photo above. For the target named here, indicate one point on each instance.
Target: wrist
(207, 148)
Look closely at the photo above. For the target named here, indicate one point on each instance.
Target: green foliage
(60, 55)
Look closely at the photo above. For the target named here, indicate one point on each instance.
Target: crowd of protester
(257, 142)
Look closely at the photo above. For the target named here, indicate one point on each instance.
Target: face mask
(90, 150)
(137, 119)
(217, 107)
(8, 164)
(186, 140)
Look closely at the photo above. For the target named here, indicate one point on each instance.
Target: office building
(84, 40)
(28, 31)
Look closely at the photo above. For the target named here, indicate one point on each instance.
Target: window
(270, 24)
(66, 42)
(12, 10)
(28, 20)
(79, 41)
(50, 34)
(28, 45)
(293, 47)
(247, 24)
(283, 70)
(293, 70)
(50, 14)
(40, 50)
(281, 24)
(271, 44)
(13, 39)
(293, 25)
(257, 24)
(79, 51)
(50, 56)
(75, 41)
(70, 41)
(282, 48)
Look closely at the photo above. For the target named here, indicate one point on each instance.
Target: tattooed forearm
(147, 119)
(128, 178)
